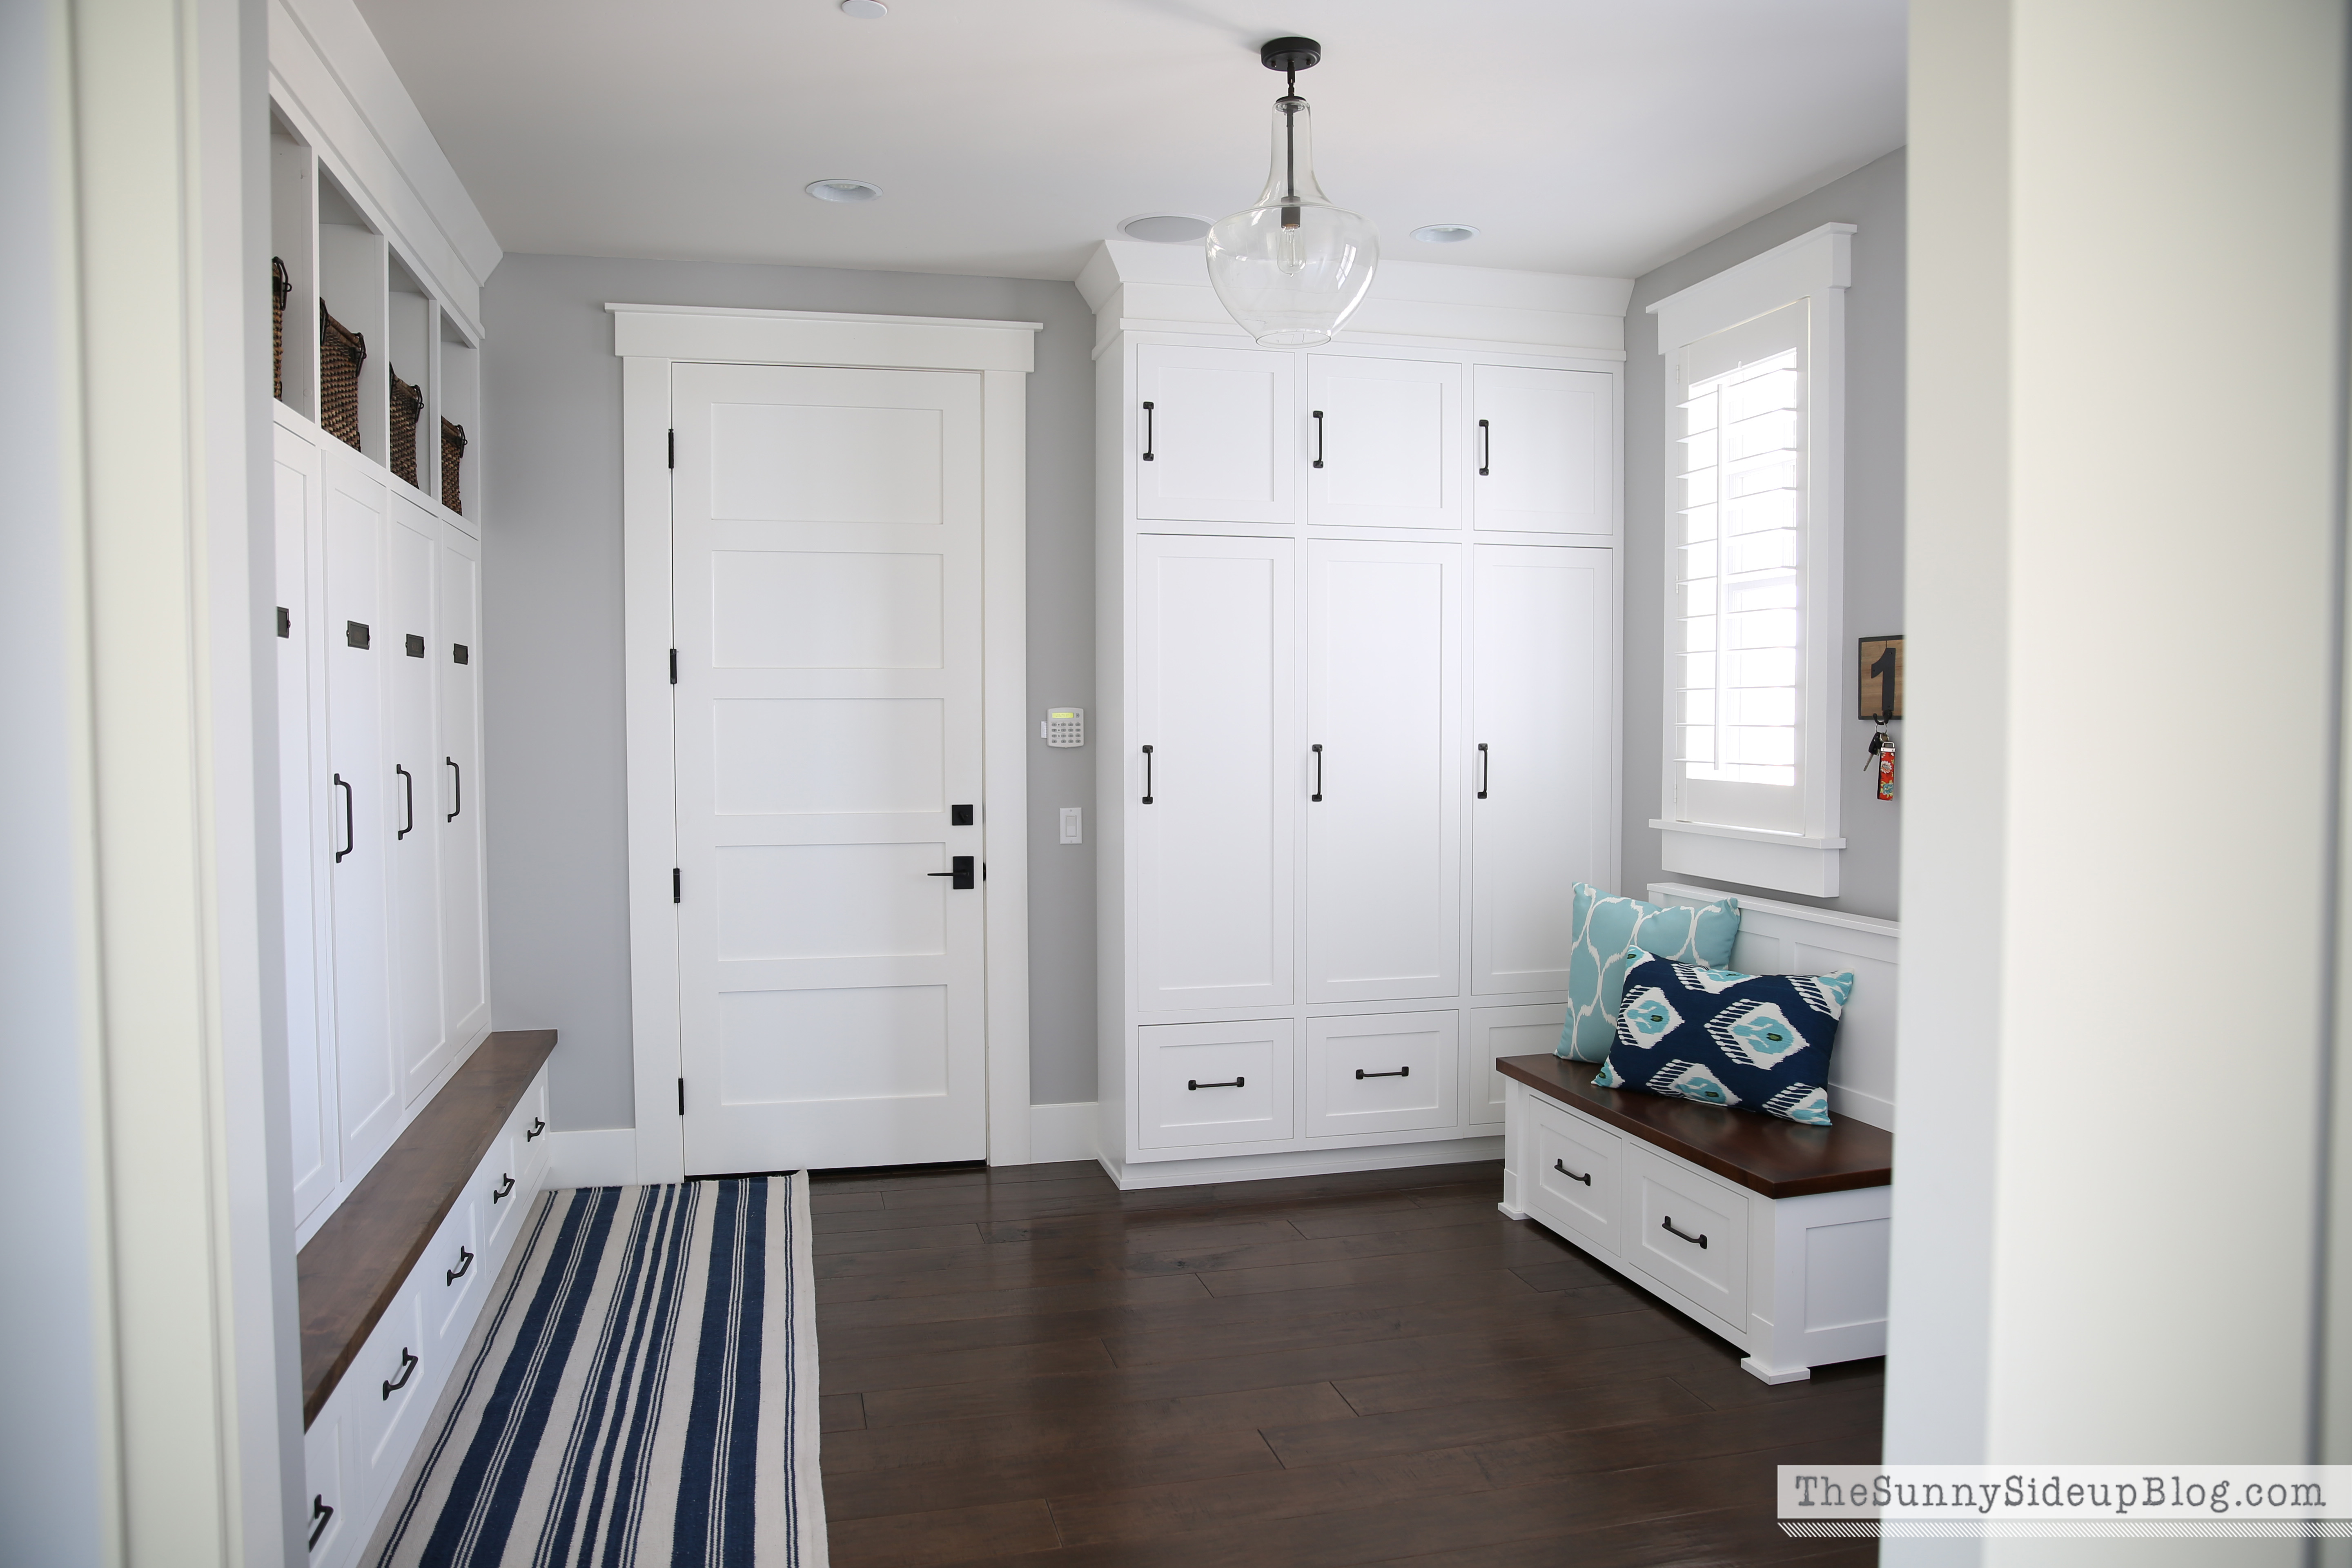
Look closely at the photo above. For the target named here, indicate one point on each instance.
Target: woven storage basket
(453, 452)
(341, 351)
(280, 286)
(408, 407)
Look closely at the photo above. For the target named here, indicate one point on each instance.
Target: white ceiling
(1592, 136)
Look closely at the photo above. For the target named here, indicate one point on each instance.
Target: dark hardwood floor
(1029, 1368)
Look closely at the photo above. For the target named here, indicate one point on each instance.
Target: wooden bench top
(1763, 1153)
(348, 1273)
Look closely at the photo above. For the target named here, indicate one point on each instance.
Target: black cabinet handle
(1147, 775)
(538, 1126)
(1238, 1082)
(408, 789)
(320, 1512)
(962, 873)
(1401, 1072)
(1147, 431)
(349, 843)
(465, 1262)
(407, 1370)
(1318, 749)
(1318, 437)
(1669, 1223)
(503, 1188)
(457, 789)
(1486, 447)
(1482, 761)
(1571, 1176)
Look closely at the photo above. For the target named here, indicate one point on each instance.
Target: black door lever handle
(962, 873)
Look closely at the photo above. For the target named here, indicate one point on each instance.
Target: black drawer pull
(1484, 760)
(408, 785)
(1318, 437)
(1571, 1176)
(1318, 749)
(457, 789)
(1401, 1072)
(1147, 775)
(320, 1512)
(465, 1262)
(536, 1126)
(1237, 1083)
(407, 1370)
(350, 842)
(1486, 447)
(503, 1188)
(1147, 431)
(1669, 1223)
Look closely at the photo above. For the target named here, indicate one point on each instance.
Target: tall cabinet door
(411, 552)
(1540, 676)
(1215, 777)
(303, 844)
(1384, 439)
(1383, 674)
(1214, 433)
(457, 790)
(1546, 450)
(358, 637)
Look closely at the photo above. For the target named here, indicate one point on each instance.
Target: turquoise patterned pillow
(1605, 927)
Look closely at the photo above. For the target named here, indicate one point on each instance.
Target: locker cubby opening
(294, 240)
(352, 287)
(408, 354)
(459, 401)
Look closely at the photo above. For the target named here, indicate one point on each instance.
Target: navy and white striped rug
(641, 1390)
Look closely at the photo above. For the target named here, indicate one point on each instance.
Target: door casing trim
(650, 339)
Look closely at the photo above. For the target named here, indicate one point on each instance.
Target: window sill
(1786, 862)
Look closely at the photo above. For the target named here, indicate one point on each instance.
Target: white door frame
(649, 338)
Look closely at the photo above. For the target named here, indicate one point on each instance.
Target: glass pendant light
(1291, 267)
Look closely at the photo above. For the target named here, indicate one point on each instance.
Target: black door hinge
(676, 886)
(673, 666)
(681, 1097)
(673, 449)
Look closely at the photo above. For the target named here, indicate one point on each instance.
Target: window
(1754, 357)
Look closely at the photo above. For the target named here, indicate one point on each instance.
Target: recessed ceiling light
(1446, 232)
(1165, 228)
(865, 10)
(844, 190)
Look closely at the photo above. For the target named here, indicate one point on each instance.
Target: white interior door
(1541, 632)
(367, 1078)
(1384, 442)
(1215, 773)
(828, 580)
(1214, 435)
(457, 789)
(422, 1045)
(304, 847)
(1546, 450)
(1383, 682)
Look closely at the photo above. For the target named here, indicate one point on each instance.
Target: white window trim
(1816, 268)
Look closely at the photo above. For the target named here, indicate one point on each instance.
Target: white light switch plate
(1072, 832)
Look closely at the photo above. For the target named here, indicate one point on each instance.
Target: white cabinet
(378, 734)
(1214, 773)
(1357, 734)
(1382, 780)
(1546, 456)
(1543, 630)
(1214, 434)
(1386, 438)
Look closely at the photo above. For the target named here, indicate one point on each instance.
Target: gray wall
(1871, 198)
(556, 790)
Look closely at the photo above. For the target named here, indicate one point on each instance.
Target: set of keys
(1881, 757)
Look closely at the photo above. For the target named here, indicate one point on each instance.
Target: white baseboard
(598, 1157)
(1298, 1163)
(1062, 1131)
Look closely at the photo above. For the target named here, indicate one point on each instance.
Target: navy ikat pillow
(1753, 1042)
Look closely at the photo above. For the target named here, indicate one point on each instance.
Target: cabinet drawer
(331, 1505)
(386, 1395)
(499, 1188)
(1574, 1179)
(1389, 1072)
(1215, 1083)
(450, 1277)
(529, 1131)
(1688, 1231)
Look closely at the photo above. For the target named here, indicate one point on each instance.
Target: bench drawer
(330, 1504)
(499, 1188)
(452, 1272)
(1215, 1083)
(1381, 1072)
(386, 1395)
(1688, 1231)
(1573, 1181)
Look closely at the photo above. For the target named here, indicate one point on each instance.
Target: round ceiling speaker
(844, 190)
(865, 10)
(1446, 232)
(1165, 228)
